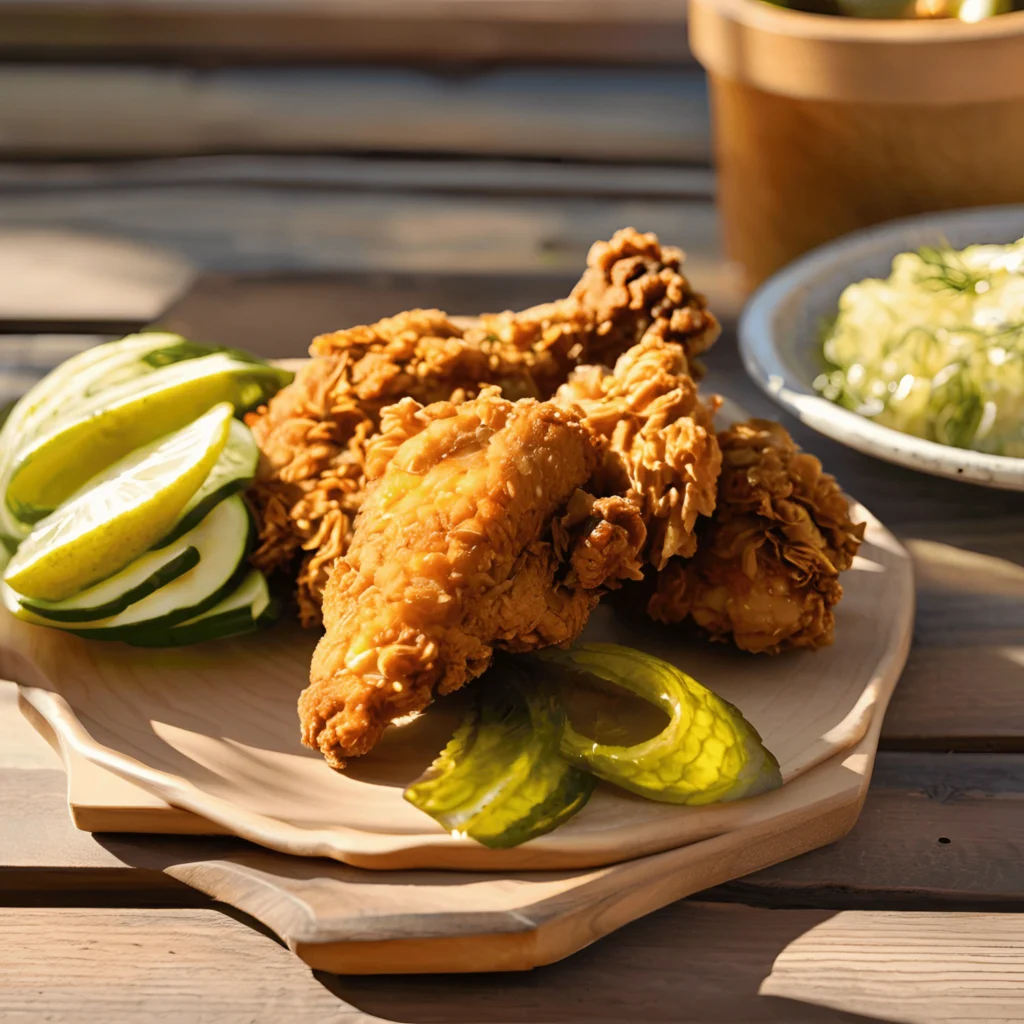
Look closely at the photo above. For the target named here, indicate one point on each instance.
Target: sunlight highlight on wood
(911, 968)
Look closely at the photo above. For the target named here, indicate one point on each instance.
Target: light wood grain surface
(777, 965)
(167, 965)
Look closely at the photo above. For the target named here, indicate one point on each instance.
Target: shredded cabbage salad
(937, 348)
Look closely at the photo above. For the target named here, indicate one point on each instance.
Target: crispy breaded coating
(766, 570)
(474, 536)
(313, 433)
(660, 449)
(634, 286)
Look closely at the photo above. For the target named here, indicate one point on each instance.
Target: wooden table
(917, 916)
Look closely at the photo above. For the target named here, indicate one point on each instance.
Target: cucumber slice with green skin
(127, 416)
(58, 394)
(248, 608)
(141, 578)
(223, 539)
(708, 752)
(120, 514)
(501, 779)
(234, 470)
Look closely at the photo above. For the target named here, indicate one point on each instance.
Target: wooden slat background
(308, 219)
(560, 31)
(633, 114)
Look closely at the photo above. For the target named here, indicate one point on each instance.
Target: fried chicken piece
(634, 287)
(474, 535)
(660, 449)
(766, 571)
(314, 432)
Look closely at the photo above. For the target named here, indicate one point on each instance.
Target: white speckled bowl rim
(779, 336)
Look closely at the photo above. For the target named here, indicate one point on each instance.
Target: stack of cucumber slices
(121, 474)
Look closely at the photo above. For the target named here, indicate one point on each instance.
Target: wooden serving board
(351, 921)
(204, 741)
(212, 729)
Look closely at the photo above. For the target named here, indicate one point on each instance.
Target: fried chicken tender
(767, 565)
(313, 434)
(660, 451)
(475, 535)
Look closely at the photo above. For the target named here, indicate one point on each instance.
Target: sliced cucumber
(223, 540)
(235, 468)
(245, 610)
(59, 393)
(141, 578)
(120, 514)
(126, 416)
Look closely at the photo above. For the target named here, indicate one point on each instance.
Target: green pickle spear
(500, 779)
(708, 753)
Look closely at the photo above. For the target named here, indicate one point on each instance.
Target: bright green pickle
(500, 780)
(708, 753)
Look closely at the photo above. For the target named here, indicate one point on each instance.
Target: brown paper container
(826, 124)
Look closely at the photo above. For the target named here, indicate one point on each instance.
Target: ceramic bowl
(779, 335)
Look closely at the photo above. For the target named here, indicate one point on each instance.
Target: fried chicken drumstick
(475, 535)
(314, 433)
(767, 565)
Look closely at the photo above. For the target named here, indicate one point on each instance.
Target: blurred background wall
(489, 136)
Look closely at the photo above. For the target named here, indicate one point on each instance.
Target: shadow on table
(636, 975)
(277, 315)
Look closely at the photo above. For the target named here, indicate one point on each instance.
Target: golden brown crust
(313, 434)
(766, 571)
(455, 554)
(633, 286)
(660, 449)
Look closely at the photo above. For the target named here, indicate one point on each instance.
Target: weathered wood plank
(930, 822)
(689, 963)
(602, 31)
(638, 115)
(263, 230)
(697, 962)
(82, 964)
(42, 852)
(376, 174)
(959, 698)
(49, 276)
(277, 317)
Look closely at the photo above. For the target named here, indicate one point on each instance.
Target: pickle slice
(501, 780)
(708, 752)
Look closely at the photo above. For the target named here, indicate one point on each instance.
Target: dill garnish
(944, 268)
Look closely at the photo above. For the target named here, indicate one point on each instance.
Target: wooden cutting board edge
(320, 921)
